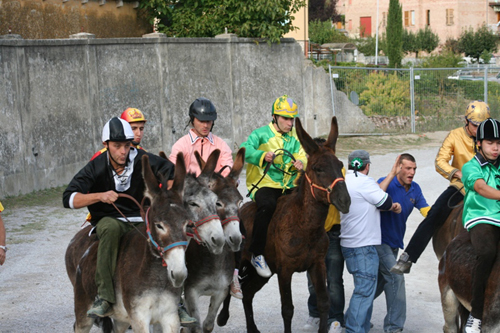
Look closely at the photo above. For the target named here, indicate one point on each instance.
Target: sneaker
(312, 324)
(335, 327)
(403, 265)
(185, 319)
(261, 267)
(235, 287)
(473, 325)
(100, 308)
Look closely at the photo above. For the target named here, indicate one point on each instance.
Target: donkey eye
(240, 203)
(193, 204)
(219, 204)
(159, 226)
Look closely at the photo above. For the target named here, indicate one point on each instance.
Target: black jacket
(97, 176)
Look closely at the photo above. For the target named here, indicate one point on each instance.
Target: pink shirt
(205, 146)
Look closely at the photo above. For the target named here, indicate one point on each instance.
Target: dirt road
(36, 295)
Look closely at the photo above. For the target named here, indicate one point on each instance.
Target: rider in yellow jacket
(459, 148)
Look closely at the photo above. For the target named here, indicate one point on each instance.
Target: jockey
(459, 148)
(481, 216)
(202, 116)
(137, 121)
(260, 151)
(96, 186)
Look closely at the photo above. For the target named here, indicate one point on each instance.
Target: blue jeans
(394, 287)
(334, 261)
(362, 263)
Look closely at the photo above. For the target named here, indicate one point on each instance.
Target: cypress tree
(394, 34)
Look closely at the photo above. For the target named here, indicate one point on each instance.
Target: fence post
(486, 84)
(331, 89)
(412, 99)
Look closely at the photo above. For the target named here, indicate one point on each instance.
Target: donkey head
(324, 169)
(226, 189)
(167, 220)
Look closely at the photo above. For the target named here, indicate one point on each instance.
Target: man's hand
(458, 175)
(396, 208)
(2, 256)
(396, 168)
(298, 165)
(269, 157)
(108, 197)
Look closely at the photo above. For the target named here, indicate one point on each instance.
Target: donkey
(147, 292)
(451, 228)
(455, 283)
(209, 274)
(296, 238)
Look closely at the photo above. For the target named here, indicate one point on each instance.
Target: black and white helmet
(117, 130)
(489, 130)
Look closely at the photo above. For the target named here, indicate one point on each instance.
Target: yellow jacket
(333, 216)
(459, 145)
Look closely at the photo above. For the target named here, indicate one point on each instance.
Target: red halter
(328, 190)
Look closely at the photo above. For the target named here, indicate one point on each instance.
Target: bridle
(195, 225)
(328, 190)
(144, 215)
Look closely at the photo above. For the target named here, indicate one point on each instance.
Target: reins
(195, 225)
(149, 238)
(328, 190)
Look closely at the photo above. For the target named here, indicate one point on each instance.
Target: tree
(473, 44)
(423, 40)
(269, 19)
(394, 34)
(322, 32)
(409, 42)
(323, 10)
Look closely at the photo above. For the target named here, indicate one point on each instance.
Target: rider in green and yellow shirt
(272, 171)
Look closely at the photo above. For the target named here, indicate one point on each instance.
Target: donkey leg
(450, 305)
(285, 283)
(317, 273)
(191, 297)
(215, 302)
(223, 316)
(250, 285)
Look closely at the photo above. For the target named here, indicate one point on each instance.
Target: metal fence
(417, 99)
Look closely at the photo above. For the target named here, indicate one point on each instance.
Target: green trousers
(109, 231)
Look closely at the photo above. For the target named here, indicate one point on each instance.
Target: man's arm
(443, 158)
(485, 190)
(393, 173)
(79, 200)
(252, 154)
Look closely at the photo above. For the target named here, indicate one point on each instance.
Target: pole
(376, 38)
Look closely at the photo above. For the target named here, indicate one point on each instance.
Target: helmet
(285, 106)
(117, 129)
(488, 129)
(203, 110)
(133, 115)
(477, 111)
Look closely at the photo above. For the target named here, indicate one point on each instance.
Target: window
(384, 19)
(412, 17)
(407, 18)
(428, 17)
(449, 17)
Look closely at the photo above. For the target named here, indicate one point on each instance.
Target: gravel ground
(36, 294)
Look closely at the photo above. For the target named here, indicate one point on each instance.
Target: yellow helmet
(285, 106)
(477, 112)
(133, 115)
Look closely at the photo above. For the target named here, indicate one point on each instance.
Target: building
(301, 34)
(446, 18)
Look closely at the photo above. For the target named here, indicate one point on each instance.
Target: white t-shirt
(361, 226)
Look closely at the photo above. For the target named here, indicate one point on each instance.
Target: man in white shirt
(360, 232)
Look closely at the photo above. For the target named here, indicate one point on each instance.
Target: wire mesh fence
(417, 99)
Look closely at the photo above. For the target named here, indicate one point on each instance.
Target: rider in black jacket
(96, 186)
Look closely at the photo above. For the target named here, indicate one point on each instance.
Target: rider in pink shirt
(202, 115)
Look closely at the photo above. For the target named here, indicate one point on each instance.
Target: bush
(385, 94)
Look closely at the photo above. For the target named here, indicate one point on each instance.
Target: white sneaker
(261, 267)
(235, 287)
(473, 325)
(312, 324)
(335, 327)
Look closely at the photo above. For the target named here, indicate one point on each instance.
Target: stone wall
(56, 96)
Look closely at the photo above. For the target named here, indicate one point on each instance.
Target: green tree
(323, 32)
(269, 19)
(394, 34)
(323, 10)
(474, 43)
(427, 40)
(409, 42)
(366, 45)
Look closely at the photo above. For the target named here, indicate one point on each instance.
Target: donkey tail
(105, 323)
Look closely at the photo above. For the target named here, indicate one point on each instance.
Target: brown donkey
(146, 291)
(296, 238)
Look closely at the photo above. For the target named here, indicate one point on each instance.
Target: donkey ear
(210, 166)
(334, 134)
(239, 161)
(179, 175)
(307, 142)
(163, 155)
(200, 160)
(151, 183)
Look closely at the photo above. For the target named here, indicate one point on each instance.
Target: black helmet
(117, 129)
(488, 129)
(203, 110)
